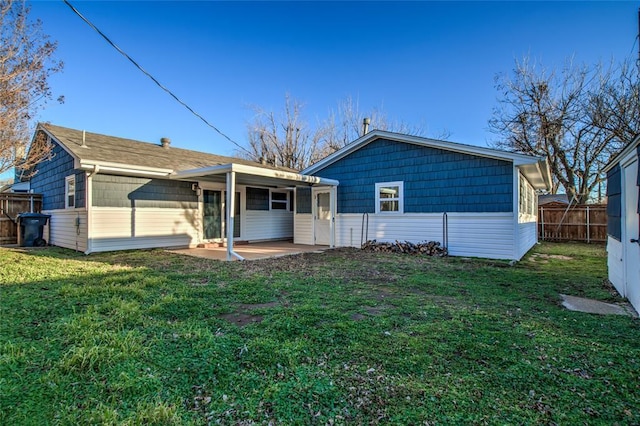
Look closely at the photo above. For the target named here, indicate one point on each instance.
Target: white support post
(231, 191)
(332, 222)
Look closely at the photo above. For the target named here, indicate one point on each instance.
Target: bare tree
(283, 139)
(25, 65)
(345, 124)
(576, 118)
(286, 139)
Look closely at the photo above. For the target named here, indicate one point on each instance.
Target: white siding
(487, 235)
(527, 237)
(67, 228)
(126, 228)
(303, 229)
(615, 263)
(267, 225)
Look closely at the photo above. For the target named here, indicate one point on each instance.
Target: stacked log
(428, 248)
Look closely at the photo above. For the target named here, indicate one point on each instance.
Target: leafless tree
(286, 139)
(576, 117)
(283, 139)
(25, 65)
(345, 124)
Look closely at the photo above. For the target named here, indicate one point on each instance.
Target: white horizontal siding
(267, 225)
(126, 228)
(527, 237)
(67, 228)
(303, 228)
(615, 264)
(487, 235)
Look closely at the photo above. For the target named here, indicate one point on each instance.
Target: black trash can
(31, 227)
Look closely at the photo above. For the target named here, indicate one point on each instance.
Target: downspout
(88, 202)
(230, 208)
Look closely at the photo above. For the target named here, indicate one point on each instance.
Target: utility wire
(145, 72)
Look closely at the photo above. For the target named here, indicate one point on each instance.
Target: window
(70, 192)
(528, 199)
(389, 197)
(279, 200)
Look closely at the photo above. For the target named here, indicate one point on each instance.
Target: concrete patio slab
(253, 251)
(591, 306)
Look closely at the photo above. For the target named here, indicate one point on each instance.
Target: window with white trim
(390, 197)
(70, 192)
(279, 200)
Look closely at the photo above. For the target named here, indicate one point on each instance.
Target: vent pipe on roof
(84, 139)
(365, 125)
(165, 142)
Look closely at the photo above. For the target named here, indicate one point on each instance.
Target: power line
(145, 72)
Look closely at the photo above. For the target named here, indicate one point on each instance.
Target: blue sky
(425, 63)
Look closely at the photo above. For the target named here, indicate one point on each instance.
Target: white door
(631, 224)
(322, 218)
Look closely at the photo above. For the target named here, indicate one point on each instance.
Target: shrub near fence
(585, 222)
(11, 205)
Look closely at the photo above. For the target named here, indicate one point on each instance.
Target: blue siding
(303, 200)
(126, 191)
(614, 203)
(435, 180)
(49, 179)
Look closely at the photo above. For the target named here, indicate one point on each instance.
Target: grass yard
(343, 337)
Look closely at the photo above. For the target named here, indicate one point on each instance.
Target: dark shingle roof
(103, 148)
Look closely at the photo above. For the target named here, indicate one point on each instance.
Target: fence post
(542, 222)
(588, 227)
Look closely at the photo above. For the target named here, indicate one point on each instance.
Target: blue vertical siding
(435, 180)
(614, 203)
(49, 179)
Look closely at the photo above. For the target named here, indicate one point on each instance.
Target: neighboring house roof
(535, 169)
(552, 198)
(94, 147)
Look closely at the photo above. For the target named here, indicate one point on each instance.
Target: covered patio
(232, 174)
(253, 251)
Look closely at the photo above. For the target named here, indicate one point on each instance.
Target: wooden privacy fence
(583, 222)
(11, 205)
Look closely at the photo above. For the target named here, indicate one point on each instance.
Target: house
(623, 217)
(554, 200)
(108, 193)
(479, 202)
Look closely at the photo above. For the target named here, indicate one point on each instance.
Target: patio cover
(234, 173)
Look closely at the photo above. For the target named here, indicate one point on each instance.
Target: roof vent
(365, 126)
(165, 142)
(84, 139)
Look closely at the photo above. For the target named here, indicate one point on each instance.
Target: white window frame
(399, 199)
(285, 203)
(69, 181)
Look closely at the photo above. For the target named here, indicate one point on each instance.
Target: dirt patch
(242, 316)
(371, 311)
(546, 257)
(241, 319)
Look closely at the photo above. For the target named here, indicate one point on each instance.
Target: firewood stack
(430, 248)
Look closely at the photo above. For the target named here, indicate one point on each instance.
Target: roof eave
(516, 158)
(123, 169)
(253, 171)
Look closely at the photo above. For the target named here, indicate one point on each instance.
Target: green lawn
(343, 337)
